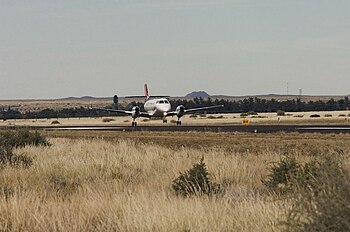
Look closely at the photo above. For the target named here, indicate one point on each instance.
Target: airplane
(156, 106)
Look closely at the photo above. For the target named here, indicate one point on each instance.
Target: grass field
(121, 181)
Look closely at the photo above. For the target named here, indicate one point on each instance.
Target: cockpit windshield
(163, 102)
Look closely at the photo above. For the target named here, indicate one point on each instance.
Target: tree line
(264, 105)
(240, 106)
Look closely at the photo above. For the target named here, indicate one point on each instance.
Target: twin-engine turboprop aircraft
(157, 106)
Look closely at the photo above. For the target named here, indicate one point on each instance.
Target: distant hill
(79, 98)
(197, 94)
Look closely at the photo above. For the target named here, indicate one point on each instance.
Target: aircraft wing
(141, 114)
(203, 108)
(188, 111)
(112, 110)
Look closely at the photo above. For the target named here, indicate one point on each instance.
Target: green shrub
(7, 157)
(14, 139)
(315, 116)
(244, 115)
(193, 116)
(282, 174)
(108, 120)
(324, 204)
(21, 138)
(252, 113)
(55, 122)
(298, 116)
(21, 160)
(195, 181)
(289, 175)
(281, 113)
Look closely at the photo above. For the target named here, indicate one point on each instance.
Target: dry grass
(111, 183)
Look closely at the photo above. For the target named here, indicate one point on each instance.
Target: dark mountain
(197, 94)
(78, 98)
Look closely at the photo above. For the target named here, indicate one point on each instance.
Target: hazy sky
(60, 48)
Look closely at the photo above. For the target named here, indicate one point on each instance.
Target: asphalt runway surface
(235, 128)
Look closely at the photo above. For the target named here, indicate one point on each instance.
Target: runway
(227, 128)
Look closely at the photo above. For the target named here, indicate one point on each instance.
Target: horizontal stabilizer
(149, 97)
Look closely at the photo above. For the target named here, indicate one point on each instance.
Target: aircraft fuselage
(157, 107)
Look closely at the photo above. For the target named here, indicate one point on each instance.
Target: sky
(53, 49)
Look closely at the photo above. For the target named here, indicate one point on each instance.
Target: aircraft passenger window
(161, 102)
(166, 102)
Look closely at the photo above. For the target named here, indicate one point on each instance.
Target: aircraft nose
(166, 108)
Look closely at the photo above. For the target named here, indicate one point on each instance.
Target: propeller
(135, 111)
(180, 111)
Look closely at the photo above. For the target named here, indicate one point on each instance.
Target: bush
(108, 120)
(252, 113)
(315, 116)
(193, 116)
(7, 157)
(244, 115)
(288, 175)
(14, 139)
(324, 205)
(21, 138)
(195, 181)
(282, 174)
(299, 116)
(211, 117)
(328, 115)
(281, 113)
(342, 115)
(55, 122)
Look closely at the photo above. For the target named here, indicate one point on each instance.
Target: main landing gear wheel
(134, 124)
(178, 123)
(165, 121)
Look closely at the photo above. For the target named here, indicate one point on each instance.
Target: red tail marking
(146, 91)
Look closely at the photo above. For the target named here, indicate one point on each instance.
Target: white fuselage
(157, 107)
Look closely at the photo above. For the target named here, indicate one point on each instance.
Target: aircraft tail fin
(147, 96)
(146, 91)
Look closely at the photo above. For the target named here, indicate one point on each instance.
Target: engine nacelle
(135, 111)
(180, 111)
(115, 101)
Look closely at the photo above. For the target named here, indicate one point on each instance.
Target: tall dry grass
(93, 185)
(125, 185)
